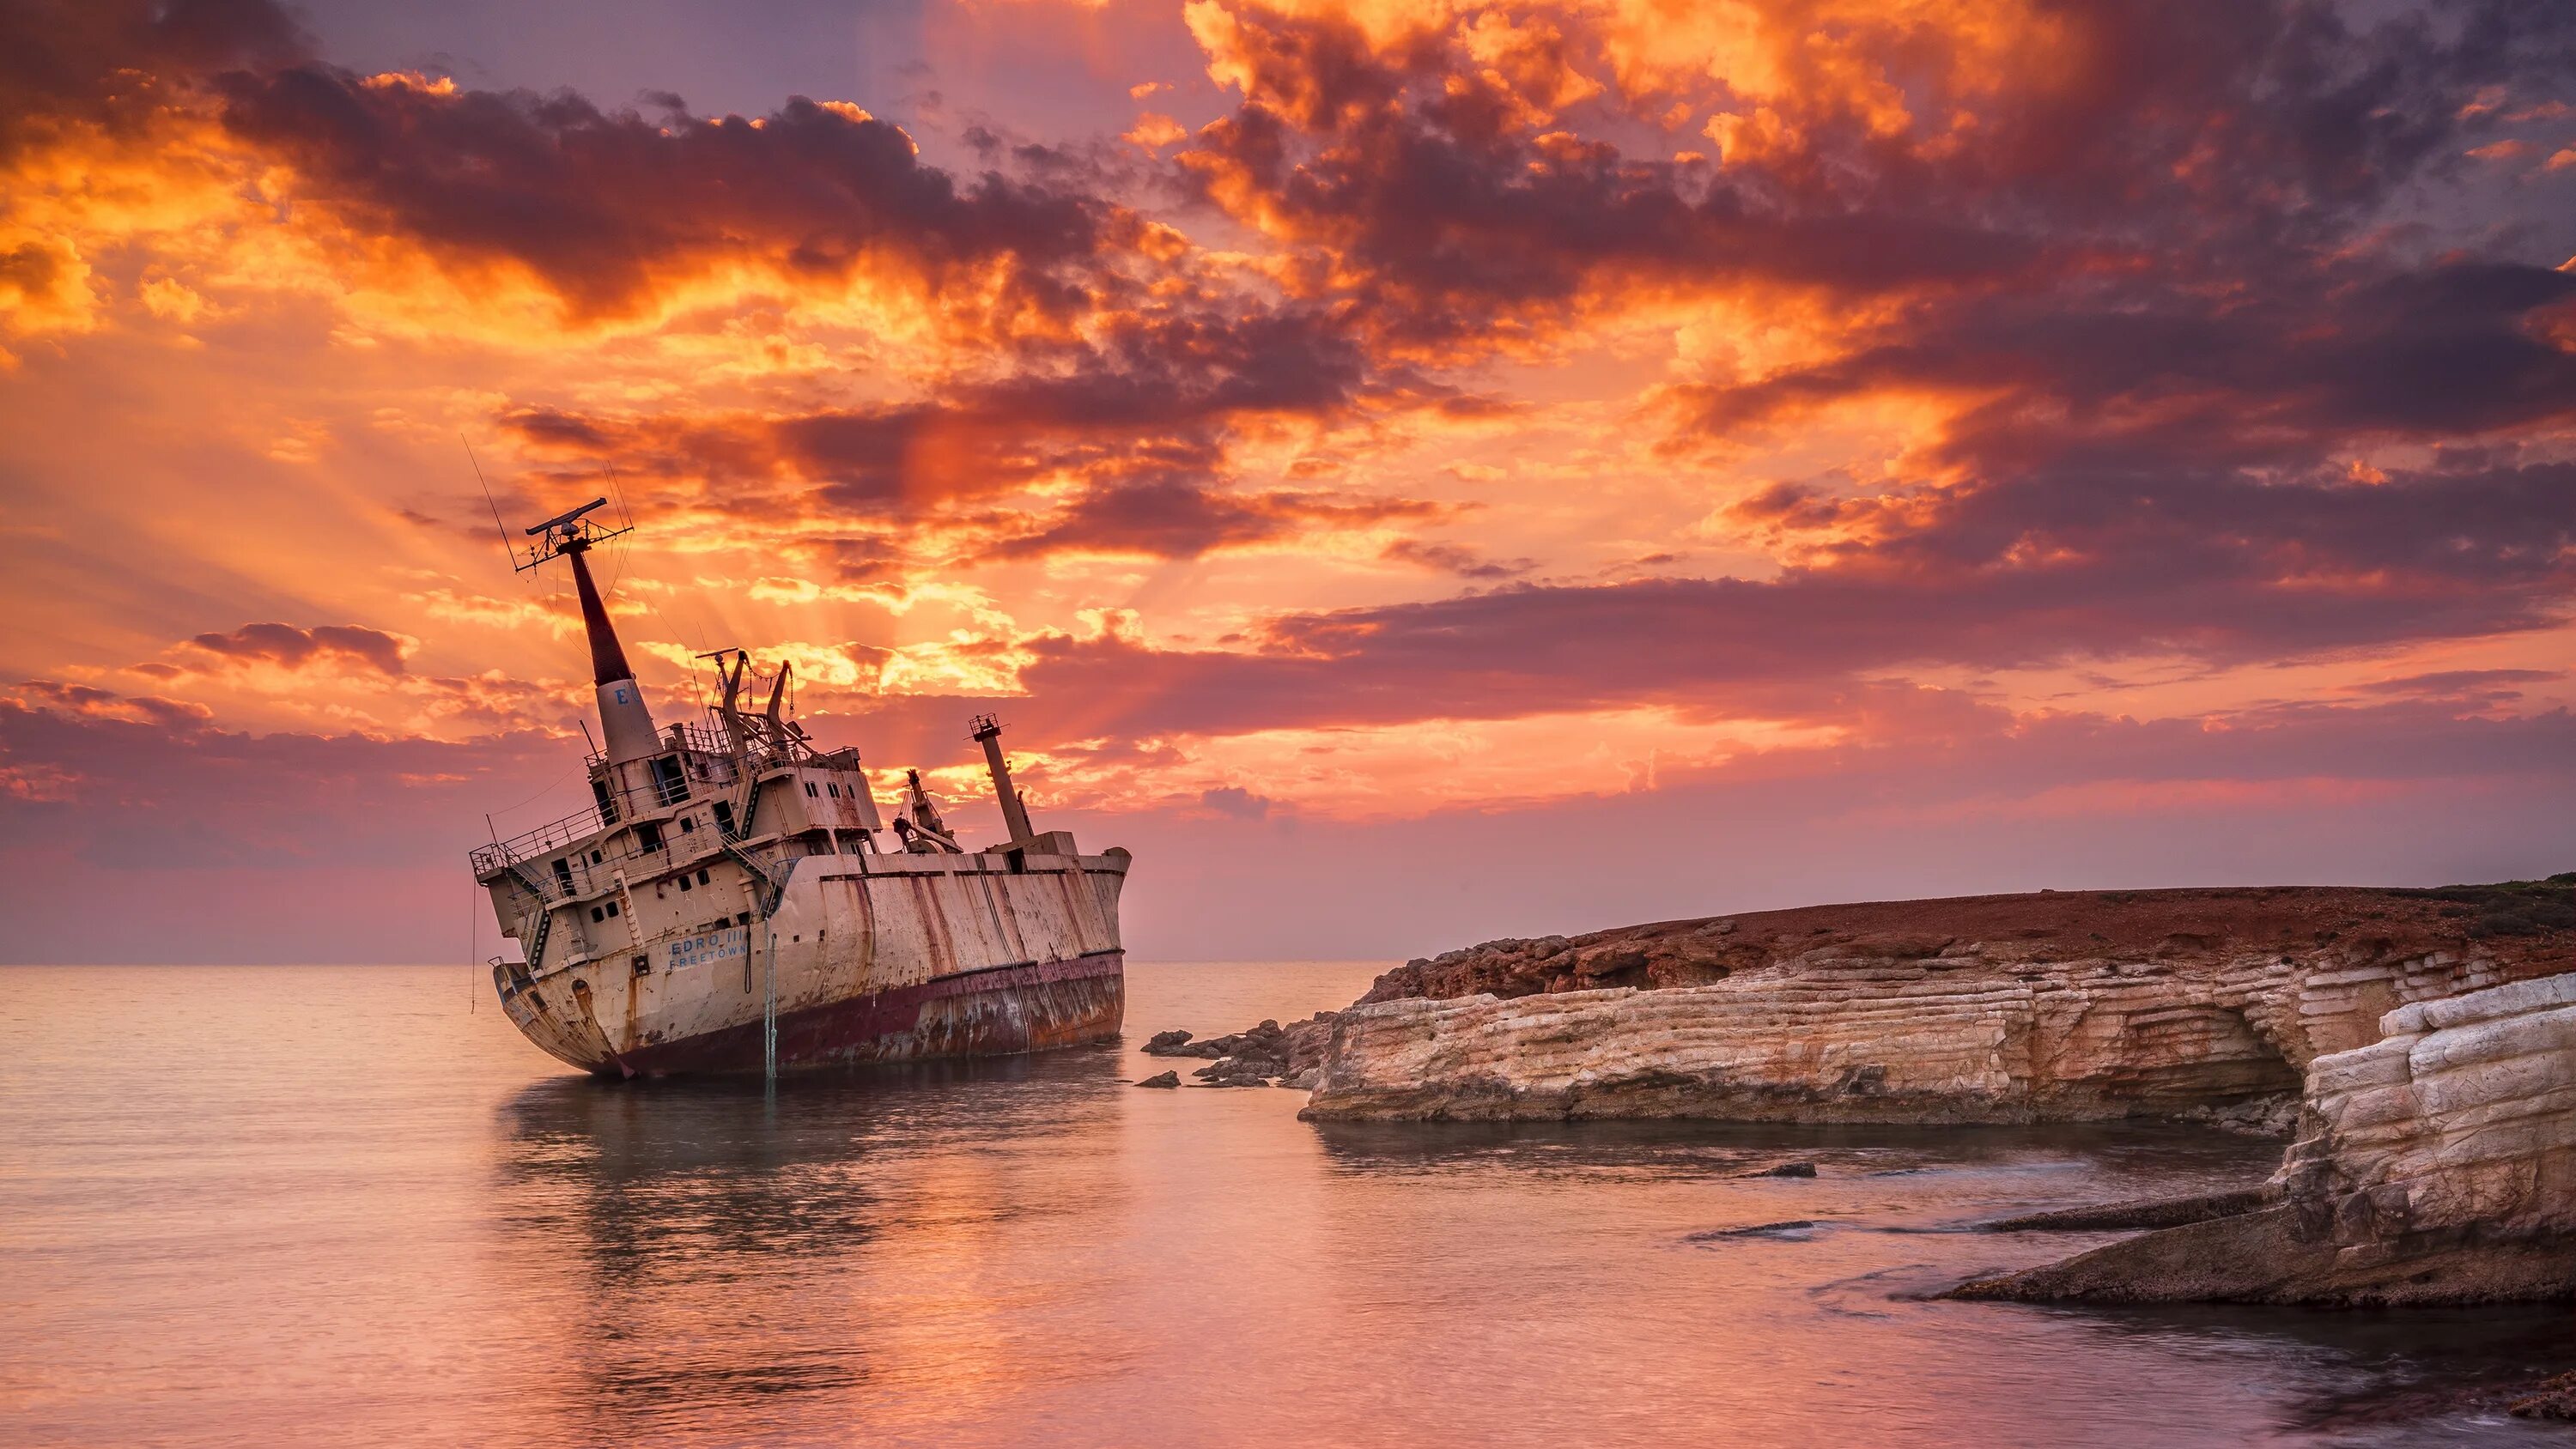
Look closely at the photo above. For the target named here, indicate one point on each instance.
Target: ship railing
(577, 874)
(701, 739)
(503, 853)
(703, 762)
(660, 791)
(704, 738)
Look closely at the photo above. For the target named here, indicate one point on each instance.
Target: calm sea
(295, 1205)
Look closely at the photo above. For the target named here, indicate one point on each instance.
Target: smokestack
(623, 719)
(1014, 814)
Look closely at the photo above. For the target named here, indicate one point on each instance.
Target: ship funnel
(1015, 814)
(623, 719)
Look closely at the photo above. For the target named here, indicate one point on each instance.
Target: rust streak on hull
(997, 1011)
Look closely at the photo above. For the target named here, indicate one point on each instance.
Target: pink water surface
(305, 1205)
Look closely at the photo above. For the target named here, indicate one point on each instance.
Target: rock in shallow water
(2162, 1212)
(1231, 1074)
(1292, 1053)
(1794, 1227)
(2439, 1167)
(1161, 1079)
(2556, 1399)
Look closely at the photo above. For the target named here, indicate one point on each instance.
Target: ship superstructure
(732, 900)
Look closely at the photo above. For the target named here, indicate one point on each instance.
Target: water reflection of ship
(709, 1248)
(727, 903)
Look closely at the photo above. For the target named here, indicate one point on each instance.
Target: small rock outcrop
(2435, 1166)
(2161, 1212)
(1234, 1072)
(1252, 1058)
(1160, 1079)
(2552, 1399)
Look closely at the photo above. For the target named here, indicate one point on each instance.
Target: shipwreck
(733, 901)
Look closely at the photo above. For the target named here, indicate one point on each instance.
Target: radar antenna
(568, 532)
(625, 722)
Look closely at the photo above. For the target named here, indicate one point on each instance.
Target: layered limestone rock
(2436, 1165)
(2199, 1005)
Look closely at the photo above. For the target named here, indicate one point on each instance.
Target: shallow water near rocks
(316, 1205)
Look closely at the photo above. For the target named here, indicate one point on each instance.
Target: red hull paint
(998, 1011)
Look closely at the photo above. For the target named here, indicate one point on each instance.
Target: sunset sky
(1413, 472)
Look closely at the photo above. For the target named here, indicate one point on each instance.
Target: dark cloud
(1423, 196)
(604, 207)
(2489, 685)
(88, 701)
(290, 647)
(1457, 196)
(2504, 530)
(1178, 520)
(114, 62)
(1237, 802)
(2046, 573)
(1452, 558)
(1139, 418)
(2151, 372)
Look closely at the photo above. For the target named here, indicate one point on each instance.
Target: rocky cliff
(2205, 1004)
(2435, 1166)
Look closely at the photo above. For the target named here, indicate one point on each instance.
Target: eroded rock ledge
(2190, 1005)
(2434, 1166)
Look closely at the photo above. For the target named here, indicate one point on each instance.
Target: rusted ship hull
(999, 1011)
(859, 959)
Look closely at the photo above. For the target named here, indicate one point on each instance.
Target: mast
(623, 719)
(729, 709)
(1015, 814)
